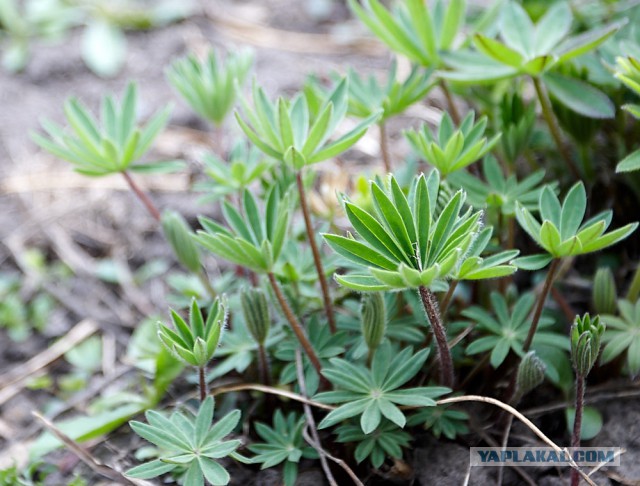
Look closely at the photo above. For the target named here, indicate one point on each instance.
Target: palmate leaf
(286, 131)
(375, 393)
(190, 442)
(407, 245)
(253, 241)
(411, 29)
(100, 148)
(209, 86)
(563, 231)
(533, 50)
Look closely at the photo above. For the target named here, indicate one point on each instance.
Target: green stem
(551, 274)
(296, 327)
(444, 354)
(384, 147)
(142, 196)
(202, 276)
(577, 423)
(326, 297)
(554, 128)
(203, 384)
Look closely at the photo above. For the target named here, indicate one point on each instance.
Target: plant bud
(200, 352)
(585, 343)
(530, 374)
(604, 292)
(256, 313)
(374, 319)
(178, 233)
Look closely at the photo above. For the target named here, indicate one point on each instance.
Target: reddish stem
(384, 147)
(295, 324)
(577, 424)
(203, 384)
(326, 297)
(444, 355)
(553, 269)
(142, 196)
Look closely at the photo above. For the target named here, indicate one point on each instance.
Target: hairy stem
(444, 355)
(142, 196)
(326, 297)
(384, 147)
(551, 275)
(453, 109)
(554, 128)
(295, 324)
(203, 384)
(577, 423)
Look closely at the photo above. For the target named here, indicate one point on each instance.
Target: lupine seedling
(115, 145)
(284, 442)
(563, 233)
(507, 330)
(209, 85)
(255, 242)
(441, 421)
(367, 96)
(534, 51)
(451, 148)
(373, 393)
(387, 440)
(195, 343)
(500, 192)
(413, 28)
(408, 246)
(189, 444)
(286, 131)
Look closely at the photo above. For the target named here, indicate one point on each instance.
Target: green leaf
(579, 96)
(630, 163)
(574, 207)
(591, 422)
(498, 51)
(150, 470)
(358, 252)
(581, 44)
(453, 20)
(533, 262)
(517, 29)
(554, 26)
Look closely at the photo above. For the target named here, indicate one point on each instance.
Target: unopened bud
(374, 319)
(256, 313)
(178, 233)
(530, 374)
(586, 334)
(604, 292)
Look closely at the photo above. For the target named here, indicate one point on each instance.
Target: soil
(80, 221)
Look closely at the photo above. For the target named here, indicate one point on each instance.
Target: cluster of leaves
(416, 234)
